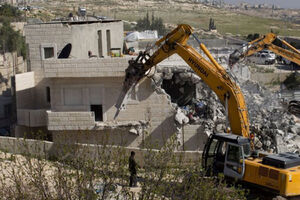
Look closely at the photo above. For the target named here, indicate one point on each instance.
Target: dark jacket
(132, 165)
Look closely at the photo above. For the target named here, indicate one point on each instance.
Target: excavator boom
(279, 172)
(266, 42)
(211, 73)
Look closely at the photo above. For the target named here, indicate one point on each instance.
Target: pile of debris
(276, 130)
(192, 100)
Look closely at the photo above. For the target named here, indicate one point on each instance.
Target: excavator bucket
(234, 57)
(133, 74)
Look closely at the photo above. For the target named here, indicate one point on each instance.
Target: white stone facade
(69, 89)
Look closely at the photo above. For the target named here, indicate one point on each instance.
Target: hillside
(176, 12)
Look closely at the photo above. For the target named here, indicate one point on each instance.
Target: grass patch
(225, 20)
(261, 69)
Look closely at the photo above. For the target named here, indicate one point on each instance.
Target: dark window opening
(108, 42)
(48, 52)
(28, 58)
(100, 53)
(234, 154)
(98, 112)
(181, 92)
(48, 97)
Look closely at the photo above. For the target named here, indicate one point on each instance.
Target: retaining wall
(46, 149)
(269, 78)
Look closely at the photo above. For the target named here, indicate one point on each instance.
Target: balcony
(70, 120)
(31, 118)
(60, 121)
(94, 67)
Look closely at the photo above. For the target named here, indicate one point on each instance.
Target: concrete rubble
(135, 127)
(275, 129)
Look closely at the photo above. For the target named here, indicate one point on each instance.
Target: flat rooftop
(79, 22)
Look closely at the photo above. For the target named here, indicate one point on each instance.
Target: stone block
(7, 144)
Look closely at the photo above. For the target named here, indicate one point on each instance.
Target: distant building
(19, 2)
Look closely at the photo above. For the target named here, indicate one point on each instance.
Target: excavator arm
(266, 42)
(210, 72)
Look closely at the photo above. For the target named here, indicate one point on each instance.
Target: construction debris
(276, 130)
(135, 127)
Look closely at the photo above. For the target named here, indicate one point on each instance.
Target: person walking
(133, 170)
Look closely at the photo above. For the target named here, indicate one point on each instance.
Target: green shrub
(292, 81)
(79, 169)
(11, 40)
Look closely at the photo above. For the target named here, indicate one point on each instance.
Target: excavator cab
(226, 153)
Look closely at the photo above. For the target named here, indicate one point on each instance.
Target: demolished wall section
(150, 108)
(276, 130)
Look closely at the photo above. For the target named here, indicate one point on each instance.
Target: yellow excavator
(271, 42)
(228, 153)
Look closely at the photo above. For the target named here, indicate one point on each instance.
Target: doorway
(98, 112)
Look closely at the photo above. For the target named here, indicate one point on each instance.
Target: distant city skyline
(281, 3)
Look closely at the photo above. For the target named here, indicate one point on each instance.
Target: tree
(212, 25)
(153, 18)
(100, 171)
(11, 40)
(143, 24)
(8, 12)
(158, 25)
(155, 24)
(254, 36)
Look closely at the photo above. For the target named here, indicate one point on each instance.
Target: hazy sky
(281, 3)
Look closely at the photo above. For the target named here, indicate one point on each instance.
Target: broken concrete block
(181, 118)
(280, 132)
(133, 131)
(294, 129)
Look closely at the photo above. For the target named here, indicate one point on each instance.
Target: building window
(100, 52)
(48, 52)
(234, 154)
(108, 42)
(98, 112)
(48, 97)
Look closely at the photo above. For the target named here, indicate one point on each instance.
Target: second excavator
(228, 153)
(273, 43)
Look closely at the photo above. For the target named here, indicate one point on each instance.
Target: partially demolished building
(75, 74)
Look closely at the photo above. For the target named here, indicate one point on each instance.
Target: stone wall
(10, 64)
(49, 149)
(79, 82)
(269, 78)
(24, 90)
(84, 37)
(70, 120)
(31, 118)
(145, 104)
(95, 67)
